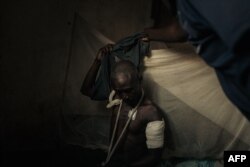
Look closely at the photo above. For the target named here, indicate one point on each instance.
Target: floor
(71, 156)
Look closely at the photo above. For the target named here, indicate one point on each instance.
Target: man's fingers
(110, 48)
(145, 39)
(105, 50)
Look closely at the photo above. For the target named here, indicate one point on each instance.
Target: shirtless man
(140, 145)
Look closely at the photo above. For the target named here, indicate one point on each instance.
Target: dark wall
(35, 42)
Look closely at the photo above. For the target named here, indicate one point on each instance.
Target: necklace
(131, 115)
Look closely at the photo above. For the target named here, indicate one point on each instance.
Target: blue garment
(129, 48)
(220, 31)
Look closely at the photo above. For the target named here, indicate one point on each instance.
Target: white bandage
(155, 134)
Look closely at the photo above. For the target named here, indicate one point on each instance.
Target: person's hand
(104, 51)
(145, 39)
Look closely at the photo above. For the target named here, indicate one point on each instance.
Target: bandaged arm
(154, 141)
(155, 134)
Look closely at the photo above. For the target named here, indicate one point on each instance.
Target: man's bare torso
(133, 143)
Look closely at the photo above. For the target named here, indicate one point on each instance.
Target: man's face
(127, 88)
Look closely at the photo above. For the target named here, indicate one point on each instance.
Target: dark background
(35, 40)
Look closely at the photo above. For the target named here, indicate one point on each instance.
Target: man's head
(126, 81)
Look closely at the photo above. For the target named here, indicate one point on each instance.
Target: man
(220, 31)
(137, 126)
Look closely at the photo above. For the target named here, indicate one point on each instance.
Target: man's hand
(104, 51)
(145, 38)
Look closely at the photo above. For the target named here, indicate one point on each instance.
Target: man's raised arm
(89, 80)
(171, 32)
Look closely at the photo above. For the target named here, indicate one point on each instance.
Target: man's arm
(154, 133)
(172, 32)
(89, 80)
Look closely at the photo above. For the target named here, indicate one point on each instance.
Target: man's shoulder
(150, 111)
(148, 105)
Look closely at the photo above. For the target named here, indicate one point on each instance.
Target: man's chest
(135, 125)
